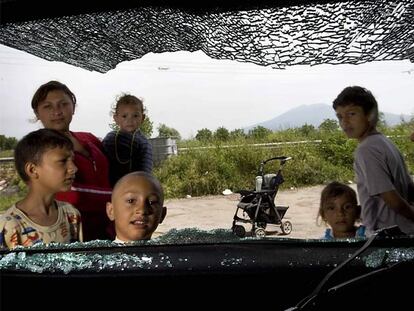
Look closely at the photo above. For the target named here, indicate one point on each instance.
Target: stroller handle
(282, 159)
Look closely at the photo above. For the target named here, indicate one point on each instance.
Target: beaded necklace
(130, 150)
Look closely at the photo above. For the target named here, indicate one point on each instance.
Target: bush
(209, 171)
(235, 164)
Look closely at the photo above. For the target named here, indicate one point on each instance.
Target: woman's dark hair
(44, 89)
(32, 147)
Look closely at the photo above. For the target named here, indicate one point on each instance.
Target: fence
(163, 148)
(6, 166)
(263, 145)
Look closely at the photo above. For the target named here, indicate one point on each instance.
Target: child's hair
(149, 176)
(44, 89)
(32, 147)
(333, 190)
(358, 96)
(127, 99)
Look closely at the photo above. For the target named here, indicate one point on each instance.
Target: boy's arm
(80, 232)
(398, 204)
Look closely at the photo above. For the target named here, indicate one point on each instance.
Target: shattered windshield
(224, 90)
(246, 183)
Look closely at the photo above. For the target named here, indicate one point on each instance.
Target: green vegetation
(206, 171)
(7, 143)
(165, 131)
(7, 172)
(13, 180)
(6, 153)
(214, 161)
(7, 201)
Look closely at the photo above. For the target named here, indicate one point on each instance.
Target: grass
(7, 201)
(6, 153)
(209, 171)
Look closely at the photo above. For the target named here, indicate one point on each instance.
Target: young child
(44, 161)
(385, 188)
(127, 148)
(137, 207)
(340, 210)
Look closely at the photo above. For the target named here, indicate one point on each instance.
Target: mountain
(314, 115)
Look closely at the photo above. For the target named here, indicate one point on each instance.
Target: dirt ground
(213, 212)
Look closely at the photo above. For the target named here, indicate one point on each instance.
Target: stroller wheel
(239, 231)
(286, 227)
(260, 233)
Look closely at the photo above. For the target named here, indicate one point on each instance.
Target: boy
(137, 207)
(385, 188)
(128, 150)
(340, 210)
(44, 161)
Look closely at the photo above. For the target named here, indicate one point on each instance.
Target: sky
(190, 91)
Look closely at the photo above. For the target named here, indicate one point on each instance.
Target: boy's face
(353, 121)
(137, 208)
(129, 117)
(341, 213)
(55, 172)
(56, 111)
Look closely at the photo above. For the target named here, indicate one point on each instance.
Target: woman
(54, 105)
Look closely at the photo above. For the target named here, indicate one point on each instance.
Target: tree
(382, 124)
(165, 131)
(204, 135)
(259, 132)
(147, 127)
(329, 125)
(7, 143)
(2, 142)
(307, 129)
(237, 133)
(222, 134)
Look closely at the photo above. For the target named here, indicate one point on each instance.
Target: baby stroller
(258, 205)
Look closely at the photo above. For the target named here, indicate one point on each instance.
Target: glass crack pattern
(339, 32)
